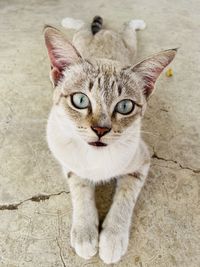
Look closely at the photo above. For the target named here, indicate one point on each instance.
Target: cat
(100, 96)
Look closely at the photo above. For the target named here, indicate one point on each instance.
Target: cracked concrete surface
(37, 198)
(155, 155)
(35, 207)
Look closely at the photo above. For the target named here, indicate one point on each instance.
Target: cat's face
(99, 101)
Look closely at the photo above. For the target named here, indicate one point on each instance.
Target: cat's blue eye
(80, 100)
(125, 107)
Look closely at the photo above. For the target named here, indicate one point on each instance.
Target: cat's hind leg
(129, 34)
(137, 24)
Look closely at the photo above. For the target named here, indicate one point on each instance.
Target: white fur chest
(94, 163)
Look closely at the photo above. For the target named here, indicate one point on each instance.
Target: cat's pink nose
(100, 131)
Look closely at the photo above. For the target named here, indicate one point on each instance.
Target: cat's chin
(97, 144)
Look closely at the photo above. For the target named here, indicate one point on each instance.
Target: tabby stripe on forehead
(99, 81)
(90, 85)
(112, 84)
(119, 90)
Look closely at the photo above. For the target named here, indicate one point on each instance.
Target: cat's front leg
(84, 231)
(115, 234)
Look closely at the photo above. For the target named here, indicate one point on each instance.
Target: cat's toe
(84, 240)
(137, 24)
(112, 246)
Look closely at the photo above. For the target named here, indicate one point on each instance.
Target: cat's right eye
(80, 101)
(125, 106)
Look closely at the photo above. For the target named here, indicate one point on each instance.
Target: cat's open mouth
(98, 143)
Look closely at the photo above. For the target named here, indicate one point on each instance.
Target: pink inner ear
(151, 79)
(148, 87)
(58, 64)
(56, 61)
(61, 53)
(56, 75)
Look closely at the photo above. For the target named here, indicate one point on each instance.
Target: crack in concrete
(155, 155)
(37, 198)
(61, 257)
(43, 197)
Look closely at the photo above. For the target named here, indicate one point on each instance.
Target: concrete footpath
(35, 206)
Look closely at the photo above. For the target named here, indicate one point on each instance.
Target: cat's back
(104, 44)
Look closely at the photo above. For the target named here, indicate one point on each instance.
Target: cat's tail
(97, 24)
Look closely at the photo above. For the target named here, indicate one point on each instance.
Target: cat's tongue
(98, 143)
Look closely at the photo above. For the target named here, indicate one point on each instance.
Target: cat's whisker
(143, 132)
(112, 138)
(153, 134)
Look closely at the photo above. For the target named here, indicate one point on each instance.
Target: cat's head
(100, 101)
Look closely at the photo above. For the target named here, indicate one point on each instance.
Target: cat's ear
(61, 53)
(149, 69)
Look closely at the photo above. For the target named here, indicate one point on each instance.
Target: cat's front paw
(112, 245)
(84, 239)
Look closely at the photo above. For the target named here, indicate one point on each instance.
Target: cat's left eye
(80, 101)
(125, 106)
